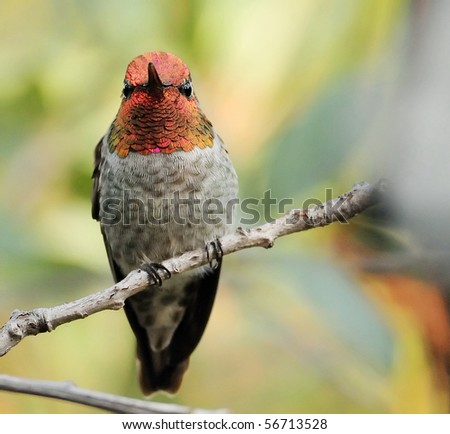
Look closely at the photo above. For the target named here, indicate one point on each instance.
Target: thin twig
(67, 391)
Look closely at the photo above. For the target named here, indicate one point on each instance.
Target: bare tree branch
(343, 208)
(33, 322)
(68, 391)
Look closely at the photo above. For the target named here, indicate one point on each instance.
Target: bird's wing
(95, 210)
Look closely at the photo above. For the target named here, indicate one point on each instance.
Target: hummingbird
(163, 184)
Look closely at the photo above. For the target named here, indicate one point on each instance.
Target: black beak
(154, 82)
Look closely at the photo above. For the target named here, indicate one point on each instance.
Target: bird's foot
(152, 269)
(214, 253)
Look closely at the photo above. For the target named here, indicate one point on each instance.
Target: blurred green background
(301, 92)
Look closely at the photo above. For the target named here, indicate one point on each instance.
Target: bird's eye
(186, 89)
(128, 89)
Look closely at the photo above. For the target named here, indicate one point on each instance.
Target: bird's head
(159, 111)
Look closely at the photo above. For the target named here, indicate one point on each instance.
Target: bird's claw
(214, 253)
(151, 268)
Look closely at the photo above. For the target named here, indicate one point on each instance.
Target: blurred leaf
(313, 148)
